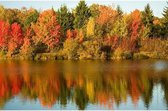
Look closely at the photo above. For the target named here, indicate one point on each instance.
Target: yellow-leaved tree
(90, 27)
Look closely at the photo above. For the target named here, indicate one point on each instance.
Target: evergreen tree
(165, 21)
(82, 13)
(65, 19)
(147, 19)
(119, 10)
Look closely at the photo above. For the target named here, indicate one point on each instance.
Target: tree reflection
(164, 82)
(52, 83)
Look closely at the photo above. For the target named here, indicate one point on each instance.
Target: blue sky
(126, 5)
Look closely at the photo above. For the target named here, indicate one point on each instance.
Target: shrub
(120, 54)
(91, 50)
(70, 49)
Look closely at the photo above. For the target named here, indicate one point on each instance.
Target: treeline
(86, 32)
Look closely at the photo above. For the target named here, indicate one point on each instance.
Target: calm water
(84, 85)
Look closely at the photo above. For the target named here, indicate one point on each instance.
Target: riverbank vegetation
(86, 32)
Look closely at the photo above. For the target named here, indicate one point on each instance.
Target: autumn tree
(4, 35)
(71, 34)
(120, 28)
(82, 13)
(2, 12)
(105, 19)
(135, 27)
(31, 17)
(27, 48)
(26, 17)
(47, 30)
(106, 14)
(70, 48)
(147, 19)
(94, 10)
(65, 19)
(15, 39)
(136, 24)
(90, 49)
(90, 27)
(9, 15)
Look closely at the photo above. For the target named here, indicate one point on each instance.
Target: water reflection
(84, 83)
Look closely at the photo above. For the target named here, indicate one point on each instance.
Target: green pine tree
(82, 13)
(165, 22)
(65, 19)
(119, 10)
(147, 19)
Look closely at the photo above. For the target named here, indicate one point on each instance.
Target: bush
(70, 49)
(154, 47)
(91, 50)
(120, 54)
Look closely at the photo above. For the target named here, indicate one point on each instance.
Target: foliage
(94, 32)
(94, 10)
(120, 28)
(90, 50)
(147, 19)
(70, 48)
(156, 48)
(4, 35)
(135, 25)
(16, 38)
(119, 10)
(65, 19)
(165, 22)
(2, 12)
(27, 48)
(82, 13)
(8, 15)
(71, 34)
(105, 19)
(107, 14)
(47, 29)
(27, 16)
(90, 27)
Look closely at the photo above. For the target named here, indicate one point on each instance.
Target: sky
(126, 5)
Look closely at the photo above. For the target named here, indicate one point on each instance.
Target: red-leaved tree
(4, 34)
(15, 39)
(135, 28)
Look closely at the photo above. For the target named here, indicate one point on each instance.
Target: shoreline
(55, 56)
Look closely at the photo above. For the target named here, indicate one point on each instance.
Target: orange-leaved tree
(106, 14)
(71, 33)
(47, 29)
(27, 47)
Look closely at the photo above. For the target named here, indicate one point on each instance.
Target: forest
(85, 32)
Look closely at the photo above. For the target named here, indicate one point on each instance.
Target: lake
(127, 84)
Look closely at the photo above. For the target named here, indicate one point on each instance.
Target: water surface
(140, 84)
